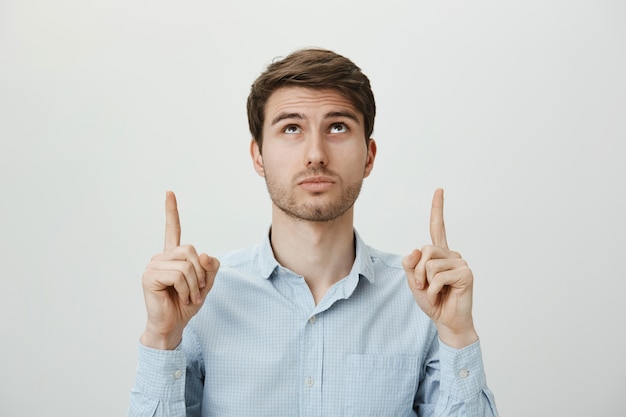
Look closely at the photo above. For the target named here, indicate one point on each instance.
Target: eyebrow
(329, 115)
(283, 116)
(346, 114)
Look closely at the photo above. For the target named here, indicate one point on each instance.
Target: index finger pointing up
(437, 226)
(172, 221)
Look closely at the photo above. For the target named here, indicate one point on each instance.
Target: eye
(338, 128)
(291, 129)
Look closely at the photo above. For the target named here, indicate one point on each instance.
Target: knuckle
(430, 267)
(180, 285)
(188, 249)
(179, 279)
(434, 278)
(428, 251)
(146, 277)
(432, 293)
(188, 269)
(468, 272)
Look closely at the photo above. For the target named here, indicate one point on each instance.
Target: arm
(441, 282)
(454, 384)
(175, 284)
(159, 384)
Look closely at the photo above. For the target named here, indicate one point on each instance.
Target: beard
(313, 211)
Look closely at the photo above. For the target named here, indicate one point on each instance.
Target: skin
(442, 283)
(314, 159)
(175, 284)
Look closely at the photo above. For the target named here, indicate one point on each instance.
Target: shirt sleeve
(159, 389)
(455, 384)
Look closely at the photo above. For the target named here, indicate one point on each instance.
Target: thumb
(409, 263)
(411, 260)
(210, 264)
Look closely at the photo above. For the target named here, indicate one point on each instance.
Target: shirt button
(178, 374)
(309, 382)
(312, 319)
(463, 373)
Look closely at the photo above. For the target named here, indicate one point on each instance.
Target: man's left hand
(442, 282)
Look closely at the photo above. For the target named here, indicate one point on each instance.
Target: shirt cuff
(161, 373)
(462, 371)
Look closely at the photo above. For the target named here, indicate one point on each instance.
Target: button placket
(312, 344)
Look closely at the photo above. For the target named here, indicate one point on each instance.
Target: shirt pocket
(381, 385)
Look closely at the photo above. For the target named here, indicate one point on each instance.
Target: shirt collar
(362, 262)
(267, 261)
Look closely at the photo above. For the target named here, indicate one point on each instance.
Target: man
(312, 321)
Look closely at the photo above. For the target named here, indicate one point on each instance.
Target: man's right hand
(175, 284)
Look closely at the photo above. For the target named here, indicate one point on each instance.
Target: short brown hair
(312, 68)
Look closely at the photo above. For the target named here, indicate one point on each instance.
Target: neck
(322, 252)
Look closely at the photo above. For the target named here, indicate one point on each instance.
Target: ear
(371, 155)
(257, 158)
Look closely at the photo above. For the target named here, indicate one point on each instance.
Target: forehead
(307, 101)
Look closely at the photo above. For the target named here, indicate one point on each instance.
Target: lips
(316, 179)
(316, 183)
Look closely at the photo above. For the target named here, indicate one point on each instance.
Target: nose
(316, 152)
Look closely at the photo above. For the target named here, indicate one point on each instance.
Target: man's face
(314, 155)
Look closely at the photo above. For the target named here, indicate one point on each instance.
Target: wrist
(156, 340)
(457, 339)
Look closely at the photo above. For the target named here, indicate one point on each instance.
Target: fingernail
(202, 283)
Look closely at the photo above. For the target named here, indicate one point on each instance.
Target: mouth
(316, 179)
(316, 183)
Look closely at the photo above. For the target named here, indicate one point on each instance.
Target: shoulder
(379, 265)
(252, 263)
(384, 259)
(238, 257)
(370, 257)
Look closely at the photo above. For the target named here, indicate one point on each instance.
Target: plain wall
(517, 109)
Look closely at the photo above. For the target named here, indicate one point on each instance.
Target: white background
(516, 108)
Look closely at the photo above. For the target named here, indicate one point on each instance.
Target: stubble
(317, 208)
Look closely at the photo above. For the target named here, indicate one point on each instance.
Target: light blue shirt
(260, 346)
